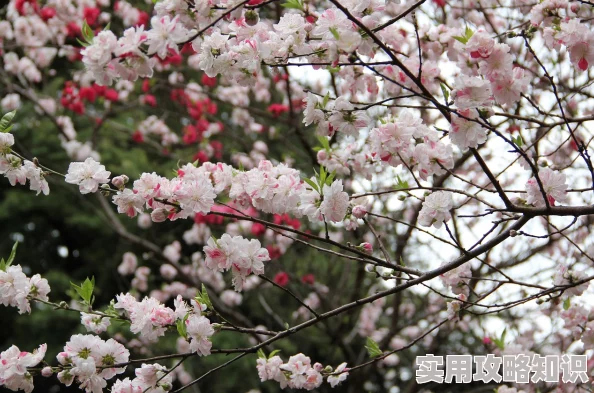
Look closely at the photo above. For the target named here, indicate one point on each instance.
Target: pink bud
(366, 247)
(168, 271)
(575, 8)
(359, 211)
(159, 215)
(47, 372)
(487, 341)
(322, 155)
(120, 181)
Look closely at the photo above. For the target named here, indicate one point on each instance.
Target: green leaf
(85, 290)
(181, 326)
(446, 92)
(87, 32)
(500, 342)
(206, 298)
(111, 310)
(463, 40)
(312, 184)
(323, 175)
(324, 142)
(6, 120)
(107, 26)
(468, 33)
(334, 32)
(401, 185)
(82, 43)
(330, 178)
(326, 99)
(518, 141)
(372, 348)
(294, 4)
(273, 353)
(261, 354)
(567, 304)
(12, 254)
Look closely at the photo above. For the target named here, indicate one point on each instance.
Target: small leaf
(324, 142)
(401, 185)
(6, 120)
(12, 254)
(463, 40)
(312, 184)
(334, 32)
(273, 353)
(87, 32)
(85, 290)
(468, 33)
(326, 99)
(518, 141)
(82, 43)
(372, 348)
(261, 354)
(330, 178)
(500, 342)
(107, 26)
(446, 92)
(294, 4)
(323, 175)
(567, 304)
(206, 298)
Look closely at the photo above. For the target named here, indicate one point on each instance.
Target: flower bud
(359, 211)
(322, 155)
(47, 372)
(159, 215)
(366, 247)
(401, 197)
(144, 221)
(251, 18)
(120, 181)
(513, 233)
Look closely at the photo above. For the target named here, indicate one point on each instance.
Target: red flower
(111, 95)
(278, 109)
(138, 137)
(258, 229)
(150, 99)
(308, 279)
(281, 279)
(91, 14)
(208, 81)
(47, 13)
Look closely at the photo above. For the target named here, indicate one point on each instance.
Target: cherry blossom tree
(297, 194)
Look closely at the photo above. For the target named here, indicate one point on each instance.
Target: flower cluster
(553, 186)
(91, 361)
(150, 378)
(13, 367)
(16, 289)
(395, 143)
(242, 256)
(18, 170)
(151, 319)
(298, 372)
(436, 209)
